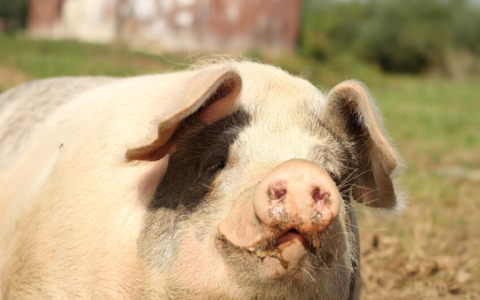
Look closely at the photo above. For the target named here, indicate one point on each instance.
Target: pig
(229, 180)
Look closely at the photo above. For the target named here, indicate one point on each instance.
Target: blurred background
(420, 59)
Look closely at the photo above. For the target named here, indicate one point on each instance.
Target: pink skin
(296, 200)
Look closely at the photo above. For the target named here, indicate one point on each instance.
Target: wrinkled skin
(237, 182)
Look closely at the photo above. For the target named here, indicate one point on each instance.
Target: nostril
(277, 191)
(321, 198)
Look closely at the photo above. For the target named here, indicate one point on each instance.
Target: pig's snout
(286, 216)
(299, 195)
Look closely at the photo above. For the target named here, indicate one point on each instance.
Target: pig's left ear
(211, 93)
(354, 116)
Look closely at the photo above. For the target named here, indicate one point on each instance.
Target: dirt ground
(414, 257)
(390, 273)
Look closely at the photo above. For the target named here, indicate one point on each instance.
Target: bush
(398, 35)
(329, 27)
(405, 35)
(14, 14)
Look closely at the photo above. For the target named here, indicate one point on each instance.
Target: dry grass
(11, 76)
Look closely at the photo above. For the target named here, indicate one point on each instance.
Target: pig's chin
(283, 259)
(273, 259)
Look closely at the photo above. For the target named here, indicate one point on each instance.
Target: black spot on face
(202, 154)
(203, 151)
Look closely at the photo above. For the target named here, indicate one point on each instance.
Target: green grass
(439, 116)
(47, 58)
(435, 123)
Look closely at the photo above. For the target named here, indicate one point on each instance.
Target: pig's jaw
(283, 259)
(282, 254)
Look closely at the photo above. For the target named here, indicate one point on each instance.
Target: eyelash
(215, 167)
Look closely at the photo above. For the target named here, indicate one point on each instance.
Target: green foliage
(465, 27)
(13, 13)
(398, 35)
(329, 27)
(406, 35)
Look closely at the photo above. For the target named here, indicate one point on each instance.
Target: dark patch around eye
(183, 190)
(202, 153)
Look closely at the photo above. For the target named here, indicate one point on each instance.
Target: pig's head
(256, 200)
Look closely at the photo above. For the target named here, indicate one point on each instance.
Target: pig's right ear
(210, 93)
(353, 115)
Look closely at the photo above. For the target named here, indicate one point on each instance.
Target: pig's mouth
(275, 248)
(282, 253)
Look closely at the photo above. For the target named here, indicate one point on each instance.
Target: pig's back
(24, 111)
(62, 166)
(24, 108)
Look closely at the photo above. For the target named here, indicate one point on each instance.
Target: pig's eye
(217, 166)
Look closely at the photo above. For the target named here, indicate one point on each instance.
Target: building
(171, 24)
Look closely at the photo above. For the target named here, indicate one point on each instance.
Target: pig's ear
(210, 93)
(356, 118)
